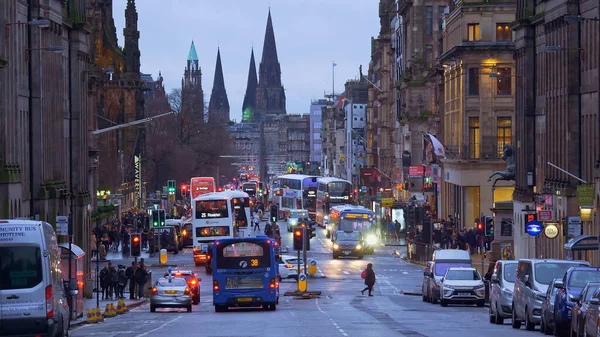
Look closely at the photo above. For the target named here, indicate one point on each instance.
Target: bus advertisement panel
(201, 185)
(216, 216)
(353, 218)
(245, 273)
(331, 192)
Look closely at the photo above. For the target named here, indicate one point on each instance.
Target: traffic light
(161, 217)
(489, 225)
(171, 187)
(184, 190)
(298, 238)
(356, 191)
(479, 227)
(136, 245)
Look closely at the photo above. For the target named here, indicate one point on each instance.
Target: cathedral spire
(132, 37)
(250, 98)
(192, 55)
(270, 72)
(218, 107)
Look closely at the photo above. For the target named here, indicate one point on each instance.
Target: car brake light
(193, 282)
(273, 284)
(184, 232)
(49, 303)
(289, 265)
(187, 291)
(215, 285)
(178, 274)
(154, 291)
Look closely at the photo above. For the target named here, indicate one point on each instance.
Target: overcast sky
(310, 35)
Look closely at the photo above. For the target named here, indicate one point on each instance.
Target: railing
(475, 151)
(420, 253)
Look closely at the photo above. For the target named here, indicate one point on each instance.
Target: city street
(395, 310)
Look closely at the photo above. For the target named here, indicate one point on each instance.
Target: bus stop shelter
(576, 248)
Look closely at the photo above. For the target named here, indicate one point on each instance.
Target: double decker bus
(216, 216)
(245, 273)
(251, 188)
(331, 192)
(202, 185)
(298, 191)
(353, 218)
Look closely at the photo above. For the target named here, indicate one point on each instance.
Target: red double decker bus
(202, 185)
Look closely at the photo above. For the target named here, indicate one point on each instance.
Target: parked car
(569, 290)
(462, 285)
(547, 311)
(592, 317)
(442, 260)
(426, 281)
(579, 311)
(501, 290)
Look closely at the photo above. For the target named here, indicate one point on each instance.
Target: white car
(288, 266)
(462, 285)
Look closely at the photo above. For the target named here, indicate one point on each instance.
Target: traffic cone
(119, 308)
(125, 309)
(113, 311)
(90, 316)
(107, 312)
(99, 317)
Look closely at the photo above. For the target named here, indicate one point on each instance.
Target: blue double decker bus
(245, 273)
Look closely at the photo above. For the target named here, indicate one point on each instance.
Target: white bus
(219, 215)
(298, 191)
(331, 192)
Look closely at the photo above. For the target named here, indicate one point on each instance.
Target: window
(474, 81)
(473, 32)
(429, 56)
(428, 20)
(21, 267)
(503, 32)
(474, 137)
(504, 134)
(504, 81)
(317, 135)
(441, 10)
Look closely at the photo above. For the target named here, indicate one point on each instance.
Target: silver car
(171, 292)
(501, 291)
(462, 285)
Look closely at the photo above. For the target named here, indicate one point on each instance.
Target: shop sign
(416, 171)
(585, 195)
(387, 202)
(534, 228)
(551, 231)
(545, 215)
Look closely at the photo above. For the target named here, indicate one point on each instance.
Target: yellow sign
(354, 216)
(551, 231)
(254, 263)
(387, 202)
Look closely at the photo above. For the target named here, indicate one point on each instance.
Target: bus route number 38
(254, 263)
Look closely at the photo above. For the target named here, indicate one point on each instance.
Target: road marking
(405, 272)
(331, 319)
(346, 272)
(160, 327)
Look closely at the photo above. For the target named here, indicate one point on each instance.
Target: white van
(442, 260)
(32, 294)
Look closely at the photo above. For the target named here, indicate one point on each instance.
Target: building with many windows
(478, 107)
(316, 145)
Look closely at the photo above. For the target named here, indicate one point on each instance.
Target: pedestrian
(141, 276)
(114, 284)
(369, 276)
(130, 274)
(105, 279)
(122, 281)
(256, 221)
(94, 246)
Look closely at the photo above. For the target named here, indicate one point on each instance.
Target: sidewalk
(90, 303)
(399, 242)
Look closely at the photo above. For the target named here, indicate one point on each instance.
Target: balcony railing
(474, 151)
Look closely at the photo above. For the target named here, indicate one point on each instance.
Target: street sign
(545, 215)
(387, 202)
(62, 225)
(534, 228)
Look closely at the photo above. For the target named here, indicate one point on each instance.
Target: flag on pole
(438, 148)
(334, 64)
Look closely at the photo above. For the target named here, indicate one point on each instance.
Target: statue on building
(509, 174)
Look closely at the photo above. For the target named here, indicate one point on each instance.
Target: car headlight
(539, 296)
(506, 293)
(326, 217)
(479, 287)
(371, 239)
(335, 246)
(359, 246)
(446, 286)
(293, 223)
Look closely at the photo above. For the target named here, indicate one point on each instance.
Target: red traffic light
(298, 233)
(356, 191)
(480, 226)
(136, 238)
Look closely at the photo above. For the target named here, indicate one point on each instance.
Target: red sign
(545, 215)
(416, 171)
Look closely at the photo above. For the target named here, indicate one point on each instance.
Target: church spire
(218, 107)
(132, 37)
(270, 71)
(250, 98)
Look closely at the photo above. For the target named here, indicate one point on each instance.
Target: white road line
(331, 319)
(160, 327)
(405, 272)
(346, 272)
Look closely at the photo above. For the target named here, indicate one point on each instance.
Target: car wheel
(443, 303)
(198, 264)
(491, 314)
(432, 299)
(220, 308)
(480, 303)
(529, 326)
(189, 308)
(152, 308)
(273, 307)
(515, 324)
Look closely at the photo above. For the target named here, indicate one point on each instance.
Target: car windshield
(351, 236)
(187, 277)
(579, 278)
(545, 272)
(441, 268)
(465, 274)
(176, 282)
(510, 272)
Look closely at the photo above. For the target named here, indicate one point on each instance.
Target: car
(296, 217)
(187, 235)
(348, 243)
(192, 280)
(580, 309)
(569, 290)
(462, 285)
(171, 292)
(288, 266)
(547, 311)
(501, 291)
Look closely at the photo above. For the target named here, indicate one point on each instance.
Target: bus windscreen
(211, 209)
(244, 255)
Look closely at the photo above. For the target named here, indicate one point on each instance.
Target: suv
(192, 280)
(348, 243)
(569, 290)
(533, 278)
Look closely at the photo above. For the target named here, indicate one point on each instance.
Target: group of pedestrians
(113, 281)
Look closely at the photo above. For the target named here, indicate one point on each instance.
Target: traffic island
(303, 294)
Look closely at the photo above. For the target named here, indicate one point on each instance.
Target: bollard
(302, 282)
(312, 270)
(163, 256)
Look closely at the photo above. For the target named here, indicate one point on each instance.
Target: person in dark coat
(369, 279)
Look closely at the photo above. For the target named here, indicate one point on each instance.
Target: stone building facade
(192, 94)
(556, 118)
(298, 138)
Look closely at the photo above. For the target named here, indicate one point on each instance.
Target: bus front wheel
(220, 308)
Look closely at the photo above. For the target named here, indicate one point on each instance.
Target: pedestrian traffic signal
(298, 238)
(158, 218)
(489, 226)
(136, 245)
(479, 227)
